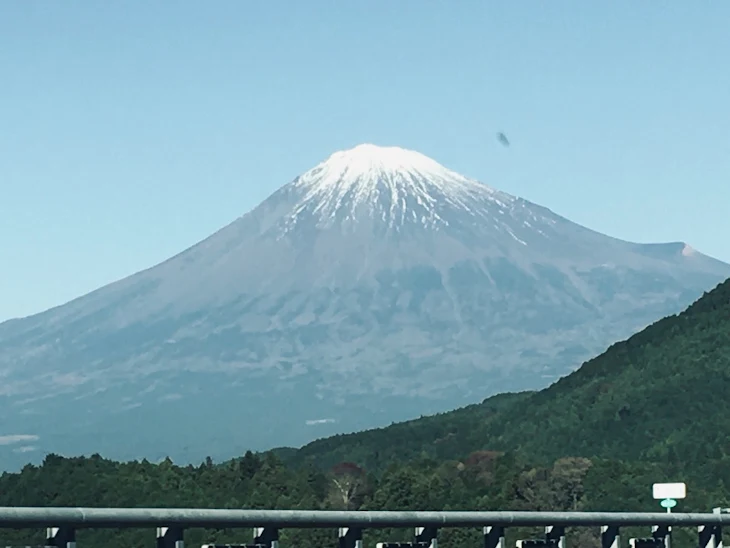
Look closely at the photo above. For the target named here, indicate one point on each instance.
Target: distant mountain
(660, 396)
(373, 288)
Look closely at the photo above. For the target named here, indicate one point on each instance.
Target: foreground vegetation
(483, 480)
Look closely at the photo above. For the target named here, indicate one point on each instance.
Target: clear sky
(131, 130)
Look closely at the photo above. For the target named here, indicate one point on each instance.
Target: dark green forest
(650, 409)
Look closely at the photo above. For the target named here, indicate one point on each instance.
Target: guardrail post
(610, 537)
(350, 537)
(710, 536)
(170, 537)
(61, 537)
(266, 536)
(426, 536)
(494, 537)
(662, 533)
(555, 533)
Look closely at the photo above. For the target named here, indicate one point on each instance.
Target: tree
(348, 485)
(566, 479)
(482, 464)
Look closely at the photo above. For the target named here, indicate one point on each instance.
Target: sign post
(667, 494)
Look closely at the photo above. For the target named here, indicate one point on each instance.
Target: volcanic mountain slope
(659, 396)
(376, 286)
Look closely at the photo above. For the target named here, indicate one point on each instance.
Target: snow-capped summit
(391, 184)
(368, 164)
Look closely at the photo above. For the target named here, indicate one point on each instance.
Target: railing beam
(78, 518)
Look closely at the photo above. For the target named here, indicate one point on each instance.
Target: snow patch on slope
(392, 184)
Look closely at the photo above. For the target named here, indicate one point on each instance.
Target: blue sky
(131, 130)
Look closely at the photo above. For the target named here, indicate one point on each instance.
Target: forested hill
(441, 436)
(661, 395)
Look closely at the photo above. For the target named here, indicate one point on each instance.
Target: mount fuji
(375, 287)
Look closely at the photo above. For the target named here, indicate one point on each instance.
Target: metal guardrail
(171, 522)
(19, 517)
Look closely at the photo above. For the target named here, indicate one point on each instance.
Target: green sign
(668, 503)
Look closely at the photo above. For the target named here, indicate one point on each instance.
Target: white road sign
(663, 491)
